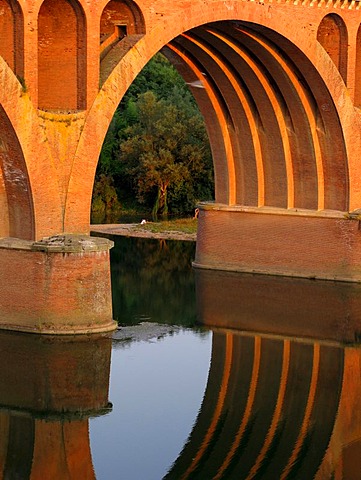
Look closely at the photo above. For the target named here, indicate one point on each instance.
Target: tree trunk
(161, 205)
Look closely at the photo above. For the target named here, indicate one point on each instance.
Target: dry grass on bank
(182, 225)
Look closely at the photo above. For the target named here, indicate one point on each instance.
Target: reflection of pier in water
(283, 398)
(49, 387)
(276, 406)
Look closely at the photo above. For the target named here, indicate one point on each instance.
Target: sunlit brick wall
(58, 56)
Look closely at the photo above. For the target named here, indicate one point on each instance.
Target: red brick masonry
(59, 285)
(300, 243)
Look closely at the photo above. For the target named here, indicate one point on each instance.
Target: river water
(211, 375)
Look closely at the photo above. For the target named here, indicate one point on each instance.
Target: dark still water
(212, 375)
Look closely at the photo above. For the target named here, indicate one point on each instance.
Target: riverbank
(148, 230)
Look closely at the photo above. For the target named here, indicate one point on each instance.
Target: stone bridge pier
(278, 83)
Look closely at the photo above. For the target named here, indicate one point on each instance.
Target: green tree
(162, 153)
(160, 77)
(156, 151)
(105, 202)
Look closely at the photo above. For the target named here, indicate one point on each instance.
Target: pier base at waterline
(289, 242)
(58, 285)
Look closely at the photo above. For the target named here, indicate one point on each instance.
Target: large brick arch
(271, 115)
(19, 211)
(272, 89)
(29, 195)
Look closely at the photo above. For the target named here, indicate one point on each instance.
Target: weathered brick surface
(307, 244)
(58, 56)
(55, 291)
(4, 218)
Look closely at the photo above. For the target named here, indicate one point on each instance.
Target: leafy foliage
(156, 152)
(105, 200)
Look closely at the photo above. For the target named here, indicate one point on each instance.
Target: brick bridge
(279, 85)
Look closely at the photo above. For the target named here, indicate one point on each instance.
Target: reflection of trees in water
(153, 279)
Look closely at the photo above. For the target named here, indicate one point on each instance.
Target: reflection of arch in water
(49, 387)
(268, 412)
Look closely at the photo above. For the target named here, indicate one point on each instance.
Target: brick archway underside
(274, 130)
(278, 134)
(15, 191)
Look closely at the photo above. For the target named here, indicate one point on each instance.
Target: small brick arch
(358, 69)
(61, 56)
(332, 35)
(12, 36)
(121, 26)
(123, 16)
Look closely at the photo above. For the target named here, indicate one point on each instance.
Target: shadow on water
(282, 398)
